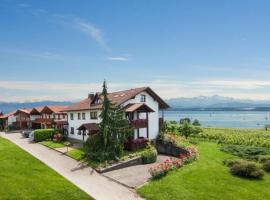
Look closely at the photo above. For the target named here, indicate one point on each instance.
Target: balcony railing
(139, 123)
(44, 120)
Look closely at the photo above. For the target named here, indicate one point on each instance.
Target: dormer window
(143, 98)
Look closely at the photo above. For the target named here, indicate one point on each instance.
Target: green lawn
(208, 179)
(24, 177)
(77, 154)
(52, 144)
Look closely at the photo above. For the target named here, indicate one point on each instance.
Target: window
(79, 132)
(71, 116)
(143, 99)
(79, 116)
(93, 115)
(58, 116)
(71, 130)
(83, 115)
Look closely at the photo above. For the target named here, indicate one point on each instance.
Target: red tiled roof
(82, 105)
(117, 98)
(54, 108)
(89, 126)
(131, 107)
(36, 109)
(24, 110)
(7, 115)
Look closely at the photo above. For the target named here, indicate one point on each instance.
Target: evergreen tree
(114, 130)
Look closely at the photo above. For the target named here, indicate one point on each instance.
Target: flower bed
(163, 168)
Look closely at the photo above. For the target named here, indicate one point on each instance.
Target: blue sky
(61, 50)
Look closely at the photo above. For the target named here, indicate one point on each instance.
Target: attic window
(143, 98)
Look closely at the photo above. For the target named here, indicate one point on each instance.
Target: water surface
(230, 119)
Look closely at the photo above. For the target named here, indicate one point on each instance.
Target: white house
(140, 105)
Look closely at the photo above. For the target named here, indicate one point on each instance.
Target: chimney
(91, 95)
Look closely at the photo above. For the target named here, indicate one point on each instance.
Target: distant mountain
(217, 102)
(6, 107)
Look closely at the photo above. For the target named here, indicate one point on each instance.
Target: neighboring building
(140, 105)
(35, 114)
(22, 119)
(50, 117)
(7, 120)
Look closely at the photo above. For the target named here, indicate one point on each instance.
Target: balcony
(139, 123)
(44, 120)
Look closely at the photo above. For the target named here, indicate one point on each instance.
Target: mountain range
(6, 107)
(211, 103)
(217, 102)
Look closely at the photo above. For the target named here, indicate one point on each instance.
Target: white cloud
(117, 58)
(240, 84)
(31, 91)
(46, 55)
(92, 31)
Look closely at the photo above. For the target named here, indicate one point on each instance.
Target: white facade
(153, 118)
(75, 123)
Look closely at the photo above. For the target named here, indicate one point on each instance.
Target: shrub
(266, 165)
(43, 134)
(185, 120)
(149, 155)
(186, 129)
(249, 152)
(134, 144)
(231, 162)
(57, 137)
(196, 123)
(246, 169)
(263, 158)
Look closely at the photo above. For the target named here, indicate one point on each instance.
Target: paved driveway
(84, 177)
(134, 176)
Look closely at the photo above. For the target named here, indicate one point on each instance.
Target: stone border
(122, 164)
(169, 149)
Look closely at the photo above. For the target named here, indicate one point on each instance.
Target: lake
(229, 119)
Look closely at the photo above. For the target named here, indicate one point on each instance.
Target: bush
(266, 166)
(231, 162)
(196, 123)
(185, 120)
(246, 169)
(149, 155)
(43, 134)
(263, 158)
(135, 144)
(249, 152)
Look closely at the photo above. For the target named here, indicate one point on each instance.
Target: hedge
(43, 134)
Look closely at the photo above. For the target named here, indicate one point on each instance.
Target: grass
(25, 177)
(52, 144)
(79, 154)
(206, 178)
